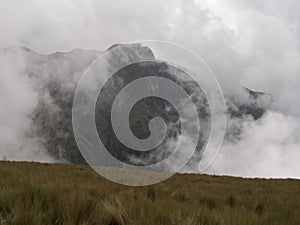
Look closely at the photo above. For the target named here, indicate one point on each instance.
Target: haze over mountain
(248, 44)
(53, 78)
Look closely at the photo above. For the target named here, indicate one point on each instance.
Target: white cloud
(17, 101)
(267, 148)
(250, 43)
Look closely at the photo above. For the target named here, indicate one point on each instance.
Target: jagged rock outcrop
(55, 76)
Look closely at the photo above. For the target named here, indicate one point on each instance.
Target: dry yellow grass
(41, 194)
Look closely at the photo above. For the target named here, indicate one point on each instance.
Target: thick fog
(252, 44)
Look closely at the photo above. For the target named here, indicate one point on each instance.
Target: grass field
(41, 194)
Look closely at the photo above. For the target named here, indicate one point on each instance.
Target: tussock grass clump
(115, 213)
(231, 201)
(151, 194)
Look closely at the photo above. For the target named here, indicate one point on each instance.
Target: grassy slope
(33, 193)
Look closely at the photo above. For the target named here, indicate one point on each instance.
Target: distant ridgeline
(55, 76)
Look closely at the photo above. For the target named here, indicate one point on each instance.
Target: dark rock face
(56, 75)
(146, 109)
(251, 107)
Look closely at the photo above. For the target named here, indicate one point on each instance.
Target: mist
(252, 44)
(18, 100)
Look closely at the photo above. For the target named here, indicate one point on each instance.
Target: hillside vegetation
(41, 194)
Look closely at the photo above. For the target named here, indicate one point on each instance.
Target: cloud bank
(246, 43)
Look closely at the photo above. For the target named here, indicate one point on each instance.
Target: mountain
(55, 77)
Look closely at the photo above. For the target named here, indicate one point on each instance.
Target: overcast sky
(253, 43)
